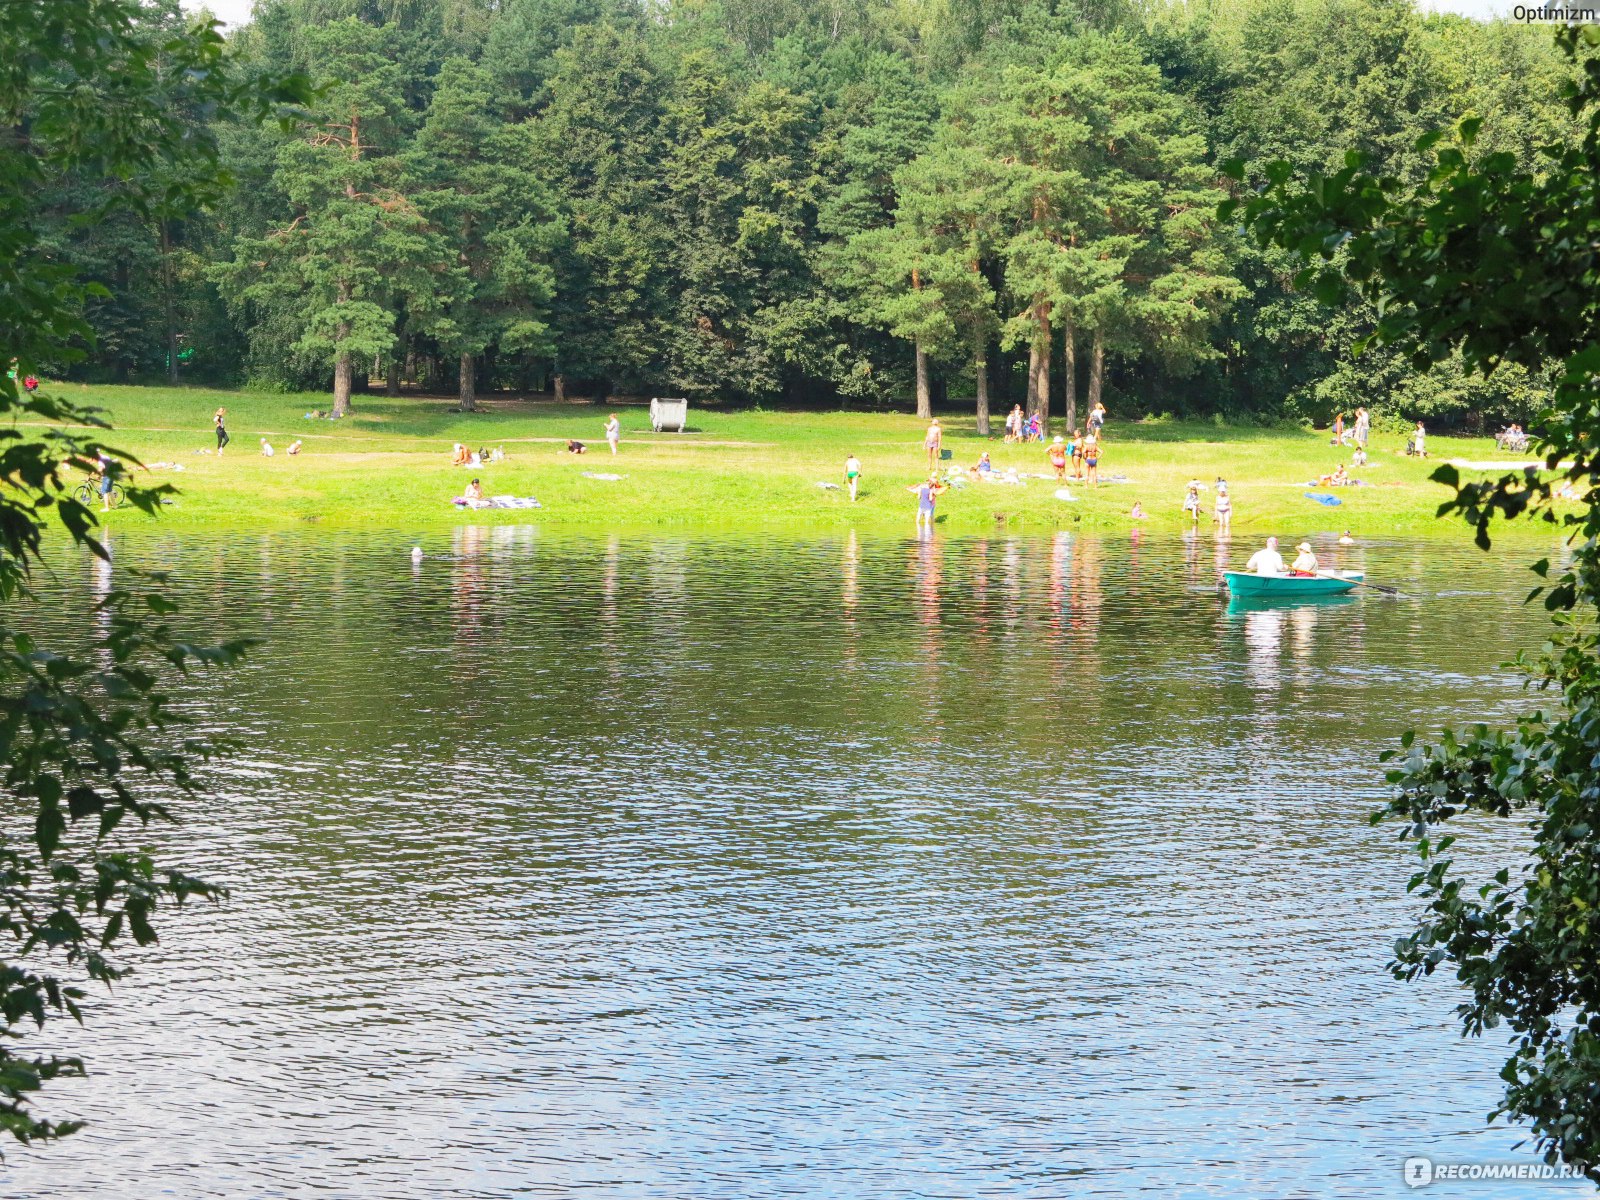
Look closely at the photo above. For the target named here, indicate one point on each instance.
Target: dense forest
(811, 202)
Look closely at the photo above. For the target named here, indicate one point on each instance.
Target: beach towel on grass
(1324, 498)
(601, 475)
(497, 502)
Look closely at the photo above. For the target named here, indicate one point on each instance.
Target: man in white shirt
(1268, 561)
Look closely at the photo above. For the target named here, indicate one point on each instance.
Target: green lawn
(388, 465)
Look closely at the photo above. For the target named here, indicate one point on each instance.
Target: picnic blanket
(497, 502)
(601, 475)
(1324, 498)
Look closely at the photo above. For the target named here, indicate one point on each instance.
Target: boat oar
(1377, 587)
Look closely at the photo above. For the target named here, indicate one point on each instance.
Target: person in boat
(1305, 562)
(1266, 561)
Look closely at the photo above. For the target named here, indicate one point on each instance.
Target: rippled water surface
(697, 868)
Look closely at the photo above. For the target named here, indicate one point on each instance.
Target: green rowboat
(1247, 586)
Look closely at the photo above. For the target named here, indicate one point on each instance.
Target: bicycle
(88, 492)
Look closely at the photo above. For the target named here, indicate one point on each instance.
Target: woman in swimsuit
(1058, 457)
(1091, 455)
(852, 472)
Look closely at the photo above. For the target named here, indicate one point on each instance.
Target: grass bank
(388, 465)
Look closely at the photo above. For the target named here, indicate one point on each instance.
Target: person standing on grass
(222, 429)
(1191, 501)
(933, 442)
(1075, 448)
(1363, 427)
(1014, 424)
(1338, 428)
(613, 432)
(852, 473)
(1091, 455)
(1222, 511)
(927, 493)
(1097, 418)
(104, 464)
(1058, 457)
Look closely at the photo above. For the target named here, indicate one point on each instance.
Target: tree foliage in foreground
(1498, 264)
(86, 742)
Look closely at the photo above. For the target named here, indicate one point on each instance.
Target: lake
(677, 867)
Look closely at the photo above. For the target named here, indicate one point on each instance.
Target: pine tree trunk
(1070, 371)
(924, 397)
(1030, 403)
(1097, 370)
(341, 378)
(980, 372)
(167, 303)
(391, 384)
(1044, 369)
(469, 383)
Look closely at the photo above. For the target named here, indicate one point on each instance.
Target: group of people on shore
(1083, 451)
(1221, 508)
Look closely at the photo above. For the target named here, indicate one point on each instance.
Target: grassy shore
(388, 465)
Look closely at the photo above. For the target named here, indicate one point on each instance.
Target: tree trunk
(1030, 403)
(924, 398)
(341, 378)
(1070, 372)
(167, 305)
(980, 372)
(1097, 370)
(392, 380)
(469, 383)
(1044, 370)
(561, 388)
(1039, 367)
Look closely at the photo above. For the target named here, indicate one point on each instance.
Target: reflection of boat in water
(1250, 604)
(1246, 586)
